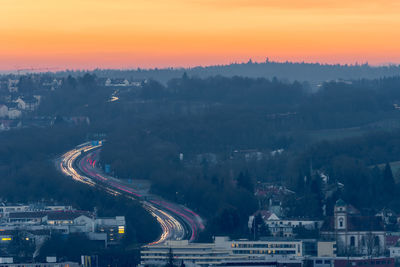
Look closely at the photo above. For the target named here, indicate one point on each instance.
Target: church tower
(340, 215)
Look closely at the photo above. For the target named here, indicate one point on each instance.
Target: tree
(388, 180)
(21, 246)
(170, 258)
(259, 228)
(244, 181)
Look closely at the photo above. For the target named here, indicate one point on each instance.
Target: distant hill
(312, 72)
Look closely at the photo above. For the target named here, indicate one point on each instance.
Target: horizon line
(39, 69)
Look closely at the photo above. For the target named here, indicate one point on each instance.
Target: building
(271, 196)
(326, 249)
(283, 227)
(394, 252)
(114, 228)
(199, 254)
(5, 210)
(287, 247)
(117, 82)
(37, 264)
(266, 261)
(354, 234)
(42, 221)
(222, 251)
(13, 85)
(348, 261)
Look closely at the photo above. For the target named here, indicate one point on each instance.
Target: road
(177, 222)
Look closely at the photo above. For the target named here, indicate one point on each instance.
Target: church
(354, 234)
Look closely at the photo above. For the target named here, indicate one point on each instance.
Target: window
(352, 241)
(376, 241)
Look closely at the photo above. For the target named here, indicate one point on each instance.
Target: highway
(177, 222)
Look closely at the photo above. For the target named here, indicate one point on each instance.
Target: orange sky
(160, 33)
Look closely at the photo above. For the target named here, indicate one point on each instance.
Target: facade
(283, 227)
(349, 261)
(114, 228)
(354, 234)
(222, 251)
(364, 262)
(117, 82)
(266, 261)
(36, 264)
(326, 248)
(41, 222)
(394, 252)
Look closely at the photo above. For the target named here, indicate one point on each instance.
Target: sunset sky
(158, 33)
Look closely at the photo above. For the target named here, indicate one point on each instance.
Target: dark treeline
(312, 72)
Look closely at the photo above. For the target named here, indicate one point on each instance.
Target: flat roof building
(222, 250)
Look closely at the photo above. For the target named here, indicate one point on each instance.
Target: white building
(117, 82)
(14, 113)
(394, 252)
(353, 233)
(3, 111)
(222, 250)
(63, 220)
(284, 227)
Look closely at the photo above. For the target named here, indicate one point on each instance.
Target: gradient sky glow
(159, 33)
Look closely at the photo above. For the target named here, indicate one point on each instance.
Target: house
(394, 252)
(271, 196)
(52, 84)
(28, 103)
(117, 82)
(3, 111)
(284, 227)
(353, 233)
(81, 222)
(13, 85)
(14, 113)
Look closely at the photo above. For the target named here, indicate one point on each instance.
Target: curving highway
(177, 222)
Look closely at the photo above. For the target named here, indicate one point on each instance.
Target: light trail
(177, 222)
